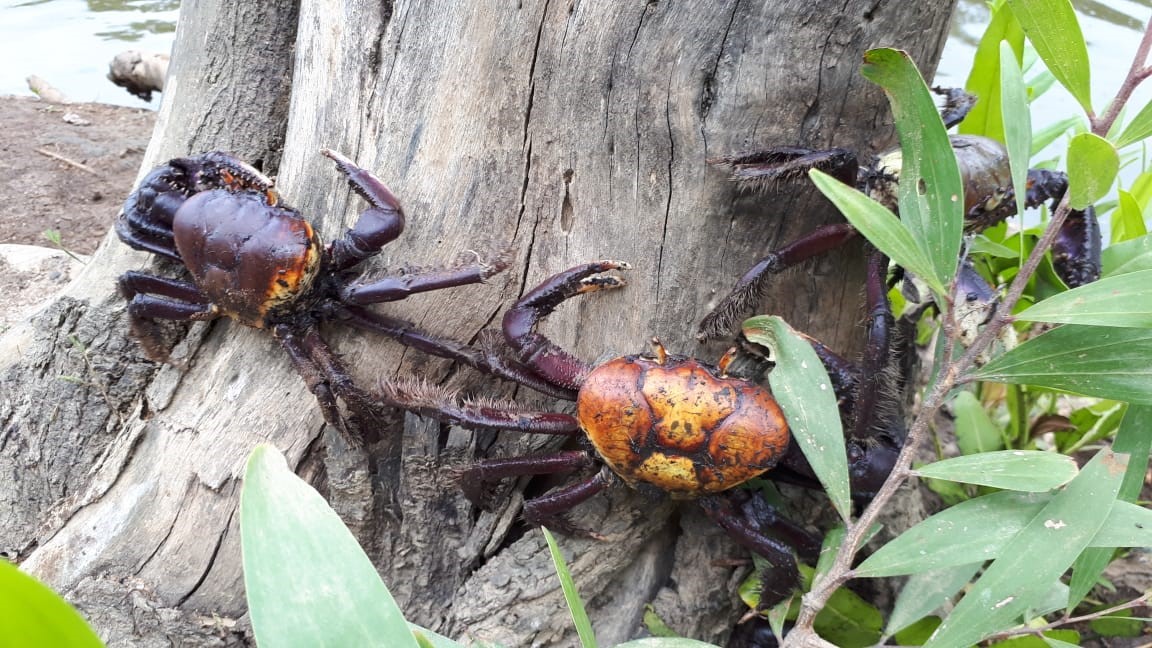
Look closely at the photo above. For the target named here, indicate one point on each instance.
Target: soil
(66, 167)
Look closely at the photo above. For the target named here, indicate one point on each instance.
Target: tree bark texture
(555, 132)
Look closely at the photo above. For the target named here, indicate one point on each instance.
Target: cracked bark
(546, 128)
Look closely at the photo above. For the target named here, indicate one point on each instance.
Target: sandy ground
(66, 167)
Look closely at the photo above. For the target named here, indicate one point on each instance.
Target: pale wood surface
(560, 131)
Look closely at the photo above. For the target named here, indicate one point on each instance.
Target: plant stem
(951, 375)
(1067, 620)
(1136, 74)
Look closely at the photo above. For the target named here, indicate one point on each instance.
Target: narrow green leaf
(1048, 134)
(931, 192)
(1128, 525)
(849, 621)
(308, 582)
(1142, 189)
(925, 591)
(801, 385)
(969, 532)
(1092, 167)
(1121, 301)
(1129, 256)
(978, 529)
(881, 227)
(1017, 121)
(1020, 470)
(1096, 361)
(571, 596)
(1139, 128)
(1053, 30)
(983, 81)
(1035, 558)
(1127, 220)
(975, 432)
(1132, 438)
(33, 615)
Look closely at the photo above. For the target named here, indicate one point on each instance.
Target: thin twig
(1067, 620)
(78, 165)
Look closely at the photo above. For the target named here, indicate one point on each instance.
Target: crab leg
(431, 401)
(534, 349)
(377, 226)
(486, 360)
(747, 291)
(396, 287)
(758, 527)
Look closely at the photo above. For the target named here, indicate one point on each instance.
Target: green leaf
(979, 529)
(801, 385)
(975, 432)
(571, 596)
(1034, 559)
(1020, 470)
(1139, 128)
(1017, 121)
(1118, 624)
(984, 79)
(1048, 134)
(1053, 30)
(1128, 525)
(308, 582)
(655, 625)
(1121, 301)
(1128, 219)
(1092, 167)
(1099, 361)
(849, 621)
(925, 591)
(931, 191)
(1129, 256)
(33, 615)
(1132, 438)
(969, 532)
(917, 633)
(881, 227)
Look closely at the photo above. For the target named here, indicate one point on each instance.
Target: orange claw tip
(726, 360)
(659, 350)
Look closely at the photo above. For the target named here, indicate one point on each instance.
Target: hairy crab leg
(433, 402)
(744, 295)
(486, 360)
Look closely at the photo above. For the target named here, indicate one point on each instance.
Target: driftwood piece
(561, 131)
(140, 73)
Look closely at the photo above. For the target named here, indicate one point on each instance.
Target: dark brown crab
(989, 198)
(660, 423)
(257, 261)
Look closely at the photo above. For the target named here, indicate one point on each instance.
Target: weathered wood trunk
(561, 132)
